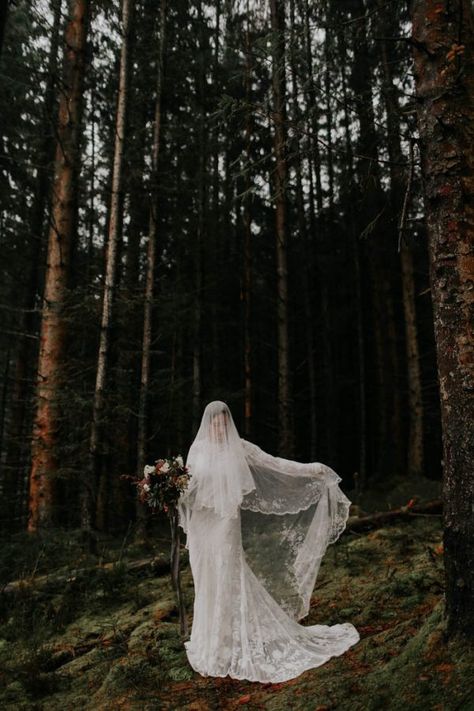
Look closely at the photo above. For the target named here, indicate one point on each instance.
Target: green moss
(116, 644)
(423, 675)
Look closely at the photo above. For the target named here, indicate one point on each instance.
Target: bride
(257, 528)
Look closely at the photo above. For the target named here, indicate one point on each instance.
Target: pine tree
(443, 48)
(44, 463)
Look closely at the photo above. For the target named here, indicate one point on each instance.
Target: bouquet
(160, 487)
(163, 483)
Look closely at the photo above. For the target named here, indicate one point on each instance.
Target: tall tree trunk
(5, 491)
(349, 191)
(387, 415)
(313, 103)
(135, 175)
(150, 275)
(215, 235)
(318, 231)
(328, 40)
(20, 418)
(92, 191)
(399, 176)
(3, 21)
(247, 225)
(94, 489)
(52, 336)
(201, 199)
(443, 49)
(307, 274)
(285, 428)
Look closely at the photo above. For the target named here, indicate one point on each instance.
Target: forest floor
(108, 640)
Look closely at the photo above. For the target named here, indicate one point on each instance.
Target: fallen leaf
(244, 699)
(444, 667)
(454, 51)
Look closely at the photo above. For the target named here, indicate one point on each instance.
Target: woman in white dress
(257, 528)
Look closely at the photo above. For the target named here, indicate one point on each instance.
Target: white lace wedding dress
(257, 527)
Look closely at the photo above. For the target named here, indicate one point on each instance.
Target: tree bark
(93, 490)
(53, 329)
(415, 464)
(443, 50)
(201, 201)
(247, 225)
(17, 457)
(350, 192)
(215, 236)
(398, 178)
(306, 272)
(285, 429)
(150, 274)
(313, 104)
(387, 413)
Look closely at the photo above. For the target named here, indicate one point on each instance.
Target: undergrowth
(110, 640)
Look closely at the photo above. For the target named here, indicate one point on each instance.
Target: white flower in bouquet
(149, 469)
(165, 468)
(179, 459)
(146, 487)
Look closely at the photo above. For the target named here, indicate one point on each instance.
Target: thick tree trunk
(150, 274)
(94, 491)
(285, 429)
(443, 49)
(20, 418)
(63, 213)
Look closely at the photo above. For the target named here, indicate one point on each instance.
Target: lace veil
(289, 511)
(220, 475)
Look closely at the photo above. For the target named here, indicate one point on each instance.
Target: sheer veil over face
(220, 475)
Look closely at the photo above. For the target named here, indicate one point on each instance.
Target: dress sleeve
(256, 456)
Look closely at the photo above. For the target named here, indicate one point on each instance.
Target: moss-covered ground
(108, 639)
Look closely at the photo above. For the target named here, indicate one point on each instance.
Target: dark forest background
(266, 203)
(290, 276)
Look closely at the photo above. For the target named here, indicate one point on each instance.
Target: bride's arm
(257, 456)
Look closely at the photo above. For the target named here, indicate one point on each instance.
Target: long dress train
(238, 628)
